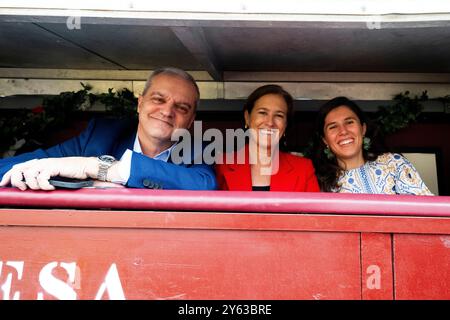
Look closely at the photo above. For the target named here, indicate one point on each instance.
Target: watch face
(107, 158)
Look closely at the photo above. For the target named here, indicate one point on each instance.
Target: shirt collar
(163, 156)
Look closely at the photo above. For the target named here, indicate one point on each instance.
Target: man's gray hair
(174, 72)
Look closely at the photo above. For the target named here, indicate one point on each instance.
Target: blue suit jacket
(113, 137)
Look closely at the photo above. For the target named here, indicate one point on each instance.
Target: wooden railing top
(229, 201)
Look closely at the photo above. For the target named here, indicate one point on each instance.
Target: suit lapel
(125, 141)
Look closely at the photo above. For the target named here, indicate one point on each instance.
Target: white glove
(34, 174)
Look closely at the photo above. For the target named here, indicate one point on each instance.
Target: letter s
(54, 286)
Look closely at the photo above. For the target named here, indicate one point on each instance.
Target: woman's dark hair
(328, 170)
(272, 89)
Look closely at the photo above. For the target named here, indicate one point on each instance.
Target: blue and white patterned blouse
(390, 173)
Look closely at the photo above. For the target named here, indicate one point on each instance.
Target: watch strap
(104, 163)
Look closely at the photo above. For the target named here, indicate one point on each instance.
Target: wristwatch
(104, 163)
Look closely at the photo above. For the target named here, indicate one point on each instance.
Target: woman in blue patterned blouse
(346, 162)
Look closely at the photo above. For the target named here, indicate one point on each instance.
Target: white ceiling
(369, 53)
(273, 43)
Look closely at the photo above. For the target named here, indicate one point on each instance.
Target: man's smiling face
(167, 105)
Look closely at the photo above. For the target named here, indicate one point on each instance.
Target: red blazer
(294, 174)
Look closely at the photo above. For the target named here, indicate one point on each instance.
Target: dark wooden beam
(195, 41)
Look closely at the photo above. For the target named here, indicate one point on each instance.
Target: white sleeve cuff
(124, 167)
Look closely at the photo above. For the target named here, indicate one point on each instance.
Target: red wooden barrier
(153, 244)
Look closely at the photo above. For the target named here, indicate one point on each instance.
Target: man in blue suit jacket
(134, 154)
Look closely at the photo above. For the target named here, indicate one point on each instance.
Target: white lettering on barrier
(64, 290)
(112, 285)
(6, 286)
(59, 289)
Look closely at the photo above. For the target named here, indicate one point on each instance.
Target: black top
(260, 188)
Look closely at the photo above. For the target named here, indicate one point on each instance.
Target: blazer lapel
(238, 176)
(283, 180)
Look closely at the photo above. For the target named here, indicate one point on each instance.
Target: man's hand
(34, 174)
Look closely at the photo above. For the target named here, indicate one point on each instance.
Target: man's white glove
(34, 174)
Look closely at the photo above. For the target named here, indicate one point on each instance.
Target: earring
(246, 126)
(366, 143)
(328, 153)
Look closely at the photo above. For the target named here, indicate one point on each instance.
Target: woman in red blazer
(260, 166)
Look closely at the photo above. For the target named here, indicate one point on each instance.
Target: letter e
(6, 286)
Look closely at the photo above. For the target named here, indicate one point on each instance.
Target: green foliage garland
(405, 110)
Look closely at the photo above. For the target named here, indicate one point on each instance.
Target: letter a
(112, 285)
(374, 280)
